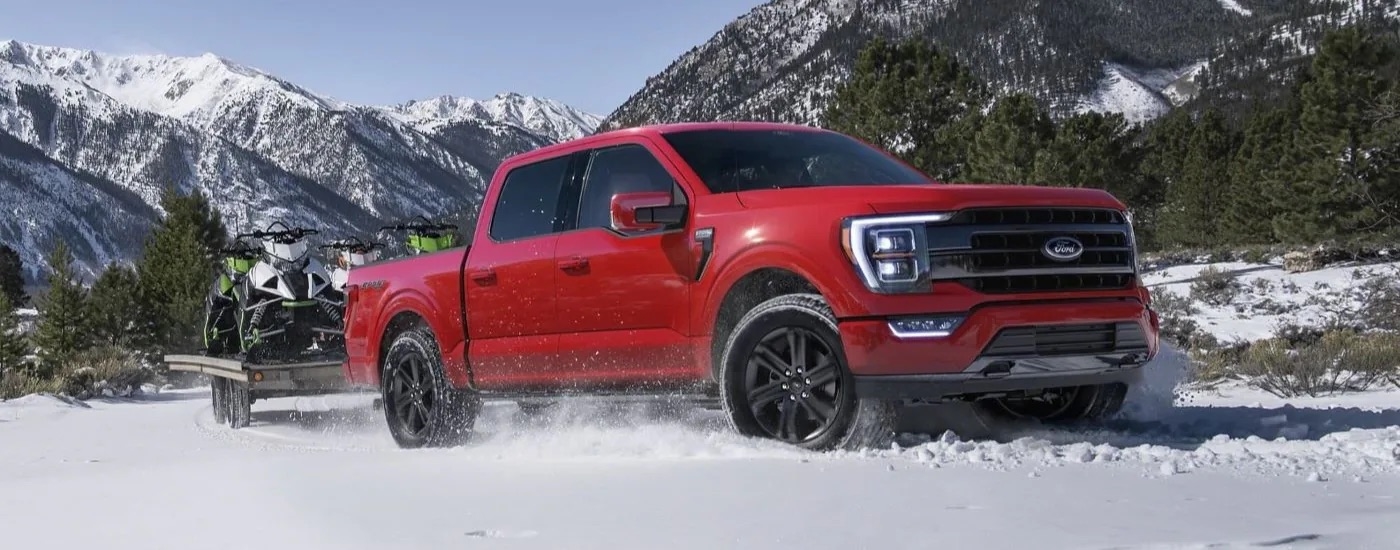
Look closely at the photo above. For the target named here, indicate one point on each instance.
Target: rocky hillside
(88, 140)
(782, 60)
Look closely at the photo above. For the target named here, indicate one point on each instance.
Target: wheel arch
(747, 291)
(401, 313)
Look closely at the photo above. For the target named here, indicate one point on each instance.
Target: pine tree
(1337, 189)
(115, 306)
(1259, 175)
(12, 276)
(63, 315)
(1195, 203)
(1093, 150)
(913, 100)
(1164, 148)
(1005, 147)
(13, 347)
(176, 270)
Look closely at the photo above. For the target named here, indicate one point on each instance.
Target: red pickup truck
(810, 283)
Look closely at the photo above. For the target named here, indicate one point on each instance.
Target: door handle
(483, 275)
(573, 264)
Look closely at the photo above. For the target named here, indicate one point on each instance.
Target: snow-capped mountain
(545, 117)
(783, 60)
(261, 147)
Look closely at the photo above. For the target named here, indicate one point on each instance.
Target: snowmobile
(426, 237)
(350, 252)
(221, 302)
(286, 306)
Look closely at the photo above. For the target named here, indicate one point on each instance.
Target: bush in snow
(1336, 361)
(1215, 287)
(1174, 313)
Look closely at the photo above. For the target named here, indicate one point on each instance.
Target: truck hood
(896, 199)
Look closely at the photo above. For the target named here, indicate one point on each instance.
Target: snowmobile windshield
(286, 252)
(747, 160)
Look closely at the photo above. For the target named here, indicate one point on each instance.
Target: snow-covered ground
(1268, 295)
(1226, 468)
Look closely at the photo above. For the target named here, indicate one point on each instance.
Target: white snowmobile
(286, 306)
(350, 252)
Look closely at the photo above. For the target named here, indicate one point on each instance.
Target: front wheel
(785, 377)
(420, 405)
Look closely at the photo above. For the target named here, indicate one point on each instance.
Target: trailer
(236, 385)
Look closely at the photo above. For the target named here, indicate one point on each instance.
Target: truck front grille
(1003, 250)
(1051, 340)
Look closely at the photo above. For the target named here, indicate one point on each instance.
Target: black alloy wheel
(793, 385)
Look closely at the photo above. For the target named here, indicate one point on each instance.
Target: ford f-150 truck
(809, 282)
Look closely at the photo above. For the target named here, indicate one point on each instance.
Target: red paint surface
(595, 308)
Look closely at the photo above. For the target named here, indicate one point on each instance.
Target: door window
(623, 169)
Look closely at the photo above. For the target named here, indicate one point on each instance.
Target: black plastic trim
(941, 387)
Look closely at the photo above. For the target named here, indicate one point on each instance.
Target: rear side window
(528, 204)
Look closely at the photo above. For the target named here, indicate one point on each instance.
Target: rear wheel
(218, 390)
(240, 404)
(420, 404)
(785, 377)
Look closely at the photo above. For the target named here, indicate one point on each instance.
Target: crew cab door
(623, 298)
(509, 278)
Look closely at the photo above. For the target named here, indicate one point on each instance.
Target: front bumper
(1005, 348)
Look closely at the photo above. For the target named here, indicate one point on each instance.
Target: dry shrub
(1338, 361)
(1215, 287)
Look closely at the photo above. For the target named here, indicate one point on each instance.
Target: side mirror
(643, 211)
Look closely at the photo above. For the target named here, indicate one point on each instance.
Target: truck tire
(218, 391)
(1062, 406)
(240, 404)
(808, 400)
(420, 405)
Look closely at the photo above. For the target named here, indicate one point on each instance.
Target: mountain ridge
(261, 146)
(783, 60)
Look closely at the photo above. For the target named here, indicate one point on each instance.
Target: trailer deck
(235, 385)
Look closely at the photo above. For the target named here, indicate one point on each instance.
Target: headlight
(1132, 239)
(890, 252)
(294, 265)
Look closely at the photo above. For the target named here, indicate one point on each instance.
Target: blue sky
(592, 54)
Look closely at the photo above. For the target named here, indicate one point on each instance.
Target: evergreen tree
(115, 306)
(1196, 202)
(176, 270)
(1093, 150)
(1005, 147)
(12, 276)
(1340, 186)
(1164, 145)
(913, 100)
(63, 315)
(1259, 176)
(13, 347)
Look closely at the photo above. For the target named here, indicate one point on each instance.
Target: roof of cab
(654, 130)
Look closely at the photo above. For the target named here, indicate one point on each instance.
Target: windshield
(746, 160)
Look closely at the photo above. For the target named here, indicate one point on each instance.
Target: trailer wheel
(420, 404)
(218, 391)
(240, 412)
(785, 377)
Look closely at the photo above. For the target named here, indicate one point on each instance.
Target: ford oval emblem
(1063, 249)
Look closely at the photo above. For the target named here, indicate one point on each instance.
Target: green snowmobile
(426, 237)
